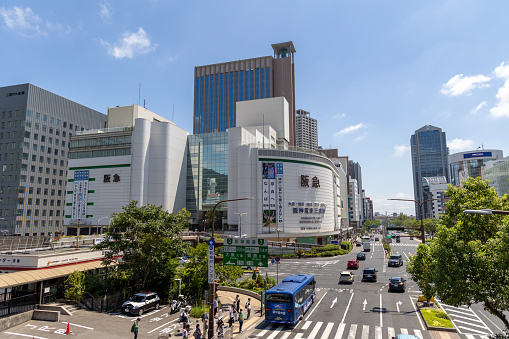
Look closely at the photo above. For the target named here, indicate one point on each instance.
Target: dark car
(352, 264)
(141, 302)
(358, 243)
(397, 284)
(369, 274)
(361, 256)
(395, 260)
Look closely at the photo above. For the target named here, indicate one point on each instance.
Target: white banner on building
(280, 190)
(265, 194)
(80, 195)
(272, 197)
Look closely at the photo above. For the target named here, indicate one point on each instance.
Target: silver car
(346, 277)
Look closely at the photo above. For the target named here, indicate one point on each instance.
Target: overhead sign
(246, 252)
(212, 271)
(477, 155)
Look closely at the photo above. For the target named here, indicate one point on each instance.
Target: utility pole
(240, 222)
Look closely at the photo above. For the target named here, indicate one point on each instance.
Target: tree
(217, 219)
(75, 286)
(149, 239)
(421, 270)
(430, 225)
(468, 260)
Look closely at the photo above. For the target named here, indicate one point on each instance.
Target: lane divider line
(316, 306)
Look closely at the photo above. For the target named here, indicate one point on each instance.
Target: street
(366, 309)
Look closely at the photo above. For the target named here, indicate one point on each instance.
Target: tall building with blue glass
(218, 87)
(429, 159)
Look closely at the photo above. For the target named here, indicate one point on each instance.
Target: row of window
(52, 121)
(123, 139)
(100, 153)
(19, 213)
(23, 178)
(8, 135)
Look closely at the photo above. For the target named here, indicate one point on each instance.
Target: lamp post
(97, 221)
(240, 222)
(211, 285)
(180, 282)
(423, 234)
(486, 211)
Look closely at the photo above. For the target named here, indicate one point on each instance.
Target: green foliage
(421, 270)
(148, 239)
(197, 310)
(346, 245)
(468, 261)
(256, 285)
(217, 219)
(75, 286)
(329, 247)
(436, 318)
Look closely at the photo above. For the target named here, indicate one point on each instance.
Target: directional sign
(246, 252)
(364, 304)
(211, 273)
(398, 304)
(333, 302)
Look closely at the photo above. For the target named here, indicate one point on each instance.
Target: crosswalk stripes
(321, 330)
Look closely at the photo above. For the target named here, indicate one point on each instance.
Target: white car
(141, 302)
(346, 277)
(184, 260)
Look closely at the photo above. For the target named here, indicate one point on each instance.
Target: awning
(32, 276)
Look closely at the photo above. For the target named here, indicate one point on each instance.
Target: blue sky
(371, 72)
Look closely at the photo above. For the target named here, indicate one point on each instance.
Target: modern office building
(469, 164)
(306, 130)
(429, 159)
(218, 87)
(34, 135)
(142, 158)
(433, 189)
(497, 172)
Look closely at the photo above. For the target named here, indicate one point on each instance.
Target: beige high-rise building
(218, 87)
(306, 130)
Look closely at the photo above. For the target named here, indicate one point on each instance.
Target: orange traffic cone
(68, 329)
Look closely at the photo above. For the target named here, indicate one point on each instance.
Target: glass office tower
(218, 87)
(429, 159)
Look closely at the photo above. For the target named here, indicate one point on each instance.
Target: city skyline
(371, 74)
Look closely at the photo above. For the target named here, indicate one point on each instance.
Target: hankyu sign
(110, 178)
(304, 181)
(246, 252)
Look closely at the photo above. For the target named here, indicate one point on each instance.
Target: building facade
(497, 172)
(434, 188)
(429, 159)
(469, 164)
(218, 87)
(109, 167)
(35, 129)
(306, 130)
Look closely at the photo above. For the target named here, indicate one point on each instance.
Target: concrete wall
(240, 291)
(46, 315)
(15, 320)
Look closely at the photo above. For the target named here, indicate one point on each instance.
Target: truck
(366, 246)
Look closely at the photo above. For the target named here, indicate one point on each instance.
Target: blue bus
(287, 302)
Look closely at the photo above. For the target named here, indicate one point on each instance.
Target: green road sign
(246, 252)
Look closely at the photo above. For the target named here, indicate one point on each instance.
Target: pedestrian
(230, 321)
(186, 317)
(215, 306)
(248, 308)
(241, 320)
(197, 332)
(205, 321)
(237, 303)
(185, 332)
(135, 327)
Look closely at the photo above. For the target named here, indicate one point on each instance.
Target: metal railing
(18, 305)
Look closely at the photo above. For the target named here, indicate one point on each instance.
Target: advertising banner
(280, 200)
(80, 195)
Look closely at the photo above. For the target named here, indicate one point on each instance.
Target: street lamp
(423, 235)
(211, 285)
(97, 220)
(486, 211)
(240, 222)
(180, 282)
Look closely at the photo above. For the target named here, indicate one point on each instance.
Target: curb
(245, 334)
(433, 328)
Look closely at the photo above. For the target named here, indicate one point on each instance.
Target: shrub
(346, 246)
(329, 247)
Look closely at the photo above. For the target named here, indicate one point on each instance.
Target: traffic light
(389, 236)
(395, 228)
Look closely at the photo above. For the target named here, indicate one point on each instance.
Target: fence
(18, 305)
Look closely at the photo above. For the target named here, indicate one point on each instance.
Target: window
(46, 181)
(36, 214)
(64, 125)
(51, 120)
(70, 127)
(43, 128)
(51, 130)
(44, 203)
(38, 190)
(59, 202)
(37, 203)
(43, 138)
(30, 190)
(39, 180)
(50, 140)
(32, 168)
(53, 182)
(45, 191)
(52, 191)
(36, 136)
(63, 134)
(57, 131)
(37, 115)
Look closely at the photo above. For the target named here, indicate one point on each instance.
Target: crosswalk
(330, 330)
(467, 321)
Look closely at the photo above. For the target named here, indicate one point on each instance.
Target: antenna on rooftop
(143, 103)
(173, 114)
(139, 94)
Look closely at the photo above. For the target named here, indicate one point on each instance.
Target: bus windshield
(278, 298)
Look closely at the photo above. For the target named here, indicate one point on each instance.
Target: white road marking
(378, 332)
(404, 331)
(306, 325)
(459, 316)
(417, 315)
(286, 335)
(391, 332)
(316, 306)
(468, 323)
(365, 332)
(491, 321)
(265, 330)
(470, 336)
(418, 334)
(327, 331)
(353, 330)
(381, 323)
(276, 332)
(88, 328)
(470, 330)
(340, 331)
(315, 330)
(162, 325)
(347, 307)
(449, 309)
(25, 335)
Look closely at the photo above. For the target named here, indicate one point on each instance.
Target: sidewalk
(227, 299)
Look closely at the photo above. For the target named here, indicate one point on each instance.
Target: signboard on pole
(212, 271)
(246, 252)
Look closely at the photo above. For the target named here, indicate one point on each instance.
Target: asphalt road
(366, 309)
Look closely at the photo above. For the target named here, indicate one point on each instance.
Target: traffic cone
(68, 329)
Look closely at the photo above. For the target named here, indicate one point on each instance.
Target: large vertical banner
(280, 202)
(336, 200)
(80, 195)
(269, 197)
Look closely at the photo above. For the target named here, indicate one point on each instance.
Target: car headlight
(135, 307)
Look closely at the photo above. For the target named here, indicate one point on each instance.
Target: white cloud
(24, 21)
(360, 138)
(501, 108)
(130, 44)
(105, 11)
(461, 84)
(459, 145)
(401, 150)
(478, 108)
(350, 129)
(339, 116)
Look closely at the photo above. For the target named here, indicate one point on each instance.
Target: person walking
(230, 321)
(248, 308)
(197, 332)
(185, 332)
(135, 328)
(215, 306)
(237, 303)
(241, 320)
(205, 321)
